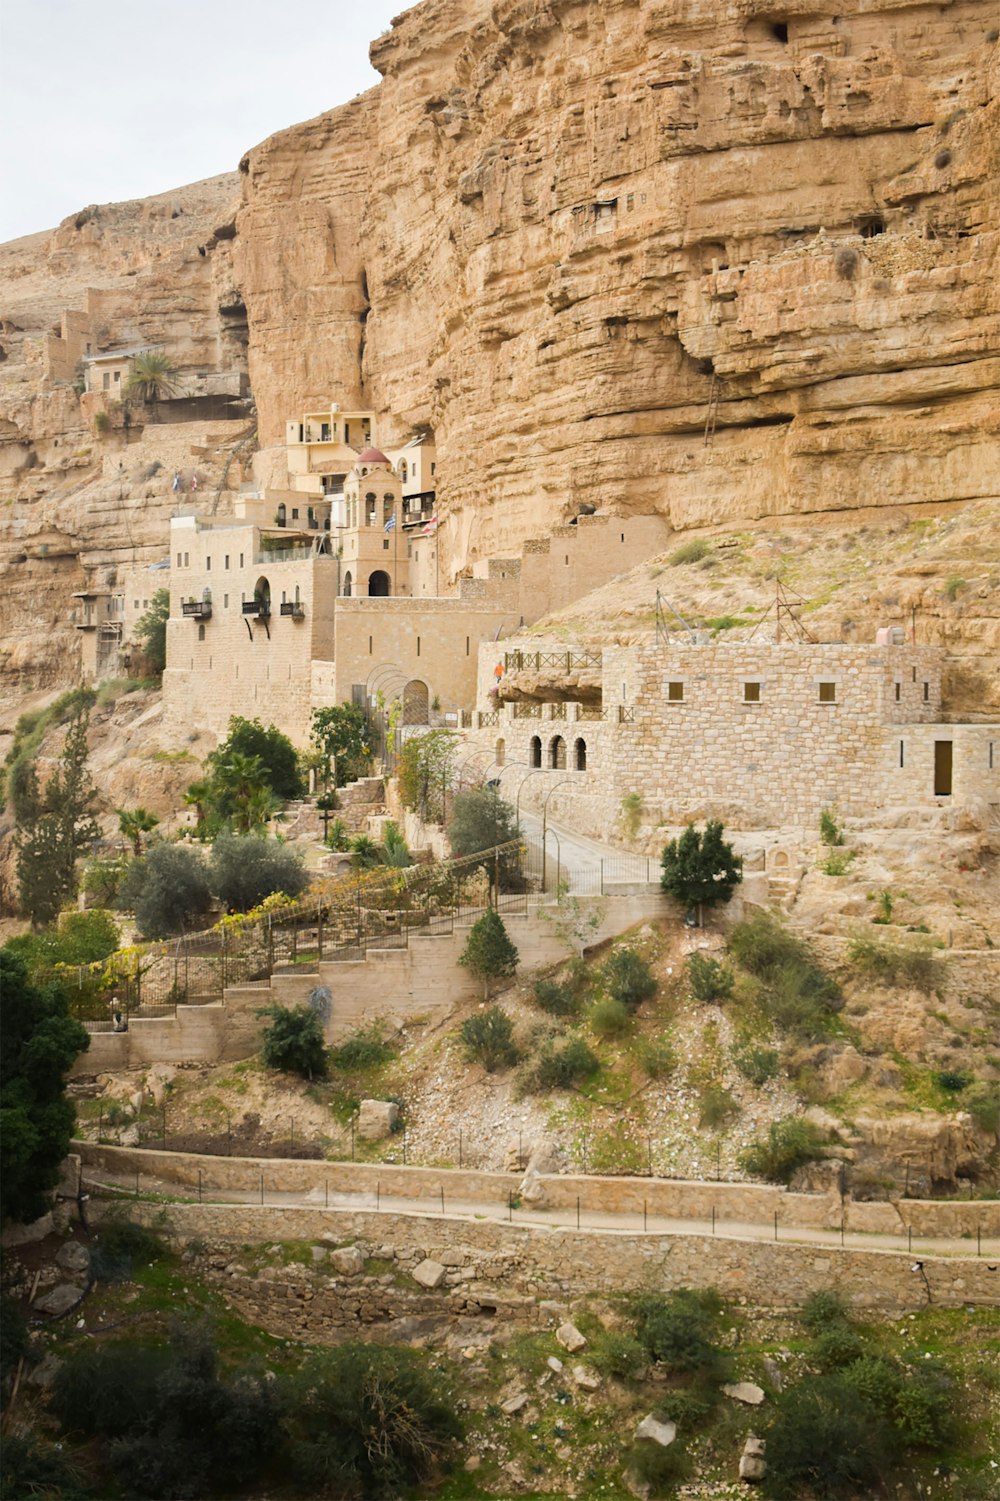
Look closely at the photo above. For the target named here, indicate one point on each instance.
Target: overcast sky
(106, 102)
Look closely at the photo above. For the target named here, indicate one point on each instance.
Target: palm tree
(135, 822)
(243, 790)
(197, 797)
(152, 378)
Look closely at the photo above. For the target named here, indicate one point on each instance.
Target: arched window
(371, 501)
(501, 752)
(388, 507)
(557, 753)
(262, 595)
(403, 471)
(535, 751)
(379, 583)
(280, 517)
(348, 583)
(416, 700)
(580, 755)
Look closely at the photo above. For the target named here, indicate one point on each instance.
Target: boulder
(73, 1257)
(569, 1336)
(348, 1261)
(753, 1465)
(129, 1137)
(532, 1189)
(376, 1119)
(429, 1274)
(63, 1297)
(659, 1433)
(45, 1372)
(745, 1391)
(586, 1380)
(158, 1080)
(514, 1404)
(554, 1364)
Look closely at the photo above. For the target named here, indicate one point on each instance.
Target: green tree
(152, 378)
(40, 1041)
(789, 1144)
(133, 823)
(276, 753)
(167, 889)
(294, 1043)
(700, 869)
(488, 1038)
(58, 826)
(629, 979)
(248, 868)
(426, 772)
(489, 953)
(341, 736)
(481, 819)
(151, 630)
(240, 791)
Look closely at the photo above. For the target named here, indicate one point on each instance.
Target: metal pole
(404, 1146)
(262, 1189)
(442, 1198)
(164, 1125)
(644, 1216)
(199, 1185)
(649, 1154)
(776, 1224)
(713, 1219)
(100, 1123)
(909, 1237)
(352, 1138)
(378, 1196)
(229, 1132)
(460, 1146)
(979, 1240)
(578, 1211)
(326, 1194)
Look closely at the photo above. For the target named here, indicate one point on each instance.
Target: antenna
(785, 614)
(662, 627)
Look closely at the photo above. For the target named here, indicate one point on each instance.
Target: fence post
(644, 1222)
(602, 875)
(460, 1146)
(262, 1190)
(578, 1211)
(319, 933)
(776, 1224)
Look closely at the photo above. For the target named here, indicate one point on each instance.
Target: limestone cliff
(726, 261)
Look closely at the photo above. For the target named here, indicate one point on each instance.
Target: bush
(121, 1245)
(657, 1468)
(103, 878)
(825, 1441)
(656, 1056)
(689, 552)
(619, 1355)
(294, 1043)
(716, 1107)
(756, 1064)
(557, 1000)
(368, 1421)
(609, 1018)
(629, 979)
(561, 1067)
(367, 1049)
(829, 829)
(246, 868)
(822, 1310)
(39, 1471)
(280, 759)
(795, 993)
(489, 1039)
(983, 1104)
(789, 1144)
(680, 1331)
(168, 889)
(489, 953)
(895, 964)
(709, 980)
(151, 630)
(481, 818)
(952, 1080)
(837, 1347)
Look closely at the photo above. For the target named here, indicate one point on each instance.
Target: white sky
(102, 102)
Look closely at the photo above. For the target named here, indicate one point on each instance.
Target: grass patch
(896, 964)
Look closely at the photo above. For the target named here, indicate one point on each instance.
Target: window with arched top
(535, 751)
(580, 755)
(371, 501)
(388, 506)
(379, 583)
(557, 753)
(348, 583)
(501, 752)
(403, 470)
(416, 702)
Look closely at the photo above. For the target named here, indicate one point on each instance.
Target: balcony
(290, 607)
(259, 607)
(196, 609)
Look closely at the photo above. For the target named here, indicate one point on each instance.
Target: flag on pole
(430, 528)
(391, 522)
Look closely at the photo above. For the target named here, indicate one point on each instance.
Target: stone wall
(733, 1204)
(552, 1264)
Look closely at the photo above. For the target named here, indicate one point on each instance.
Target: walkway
(587, 865)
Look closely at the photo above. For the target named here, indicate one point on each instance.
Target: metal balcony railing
(197, 609)
(293, 608)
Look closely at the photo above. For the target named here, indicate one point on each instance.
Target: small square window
(828, 693)
(675, 693)
(385, 544)
(751, 693)
(295, 513)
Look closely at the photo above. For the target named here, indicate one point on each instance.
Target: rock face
(572, 238)
(376, 1119)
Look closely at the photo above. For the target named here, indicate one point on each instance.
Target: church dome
(373, 456)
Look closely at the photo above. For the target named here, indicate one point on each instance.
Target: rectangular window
(225, 601)
(241, 560)
(369, 645)
(927, 693)
(418, 646)
(901, 753)
(187, 560)
(751, 693)
(991, 755)
(385, 544)
(828, 693)
(107, 381)
(467, 653)
(284, 597)
(226, 562)
(675, 693)
(178, 560)
(899, 688)
(295, 513)
(208, 565)
(118, 376)
(135, 604)
(914, 674)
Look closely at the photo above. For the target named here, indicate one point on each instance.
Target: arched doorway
(348, 584)
(378, 583)
(416, 702)
(557, 753)
(501, 752)
(535, 751)
(262, 595)
(580, 755)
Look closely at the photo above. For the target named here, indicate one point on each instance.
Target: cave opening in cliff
(779, 30)
(872, 226)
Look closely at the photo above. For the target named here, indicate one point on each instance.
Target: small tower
(374, 551)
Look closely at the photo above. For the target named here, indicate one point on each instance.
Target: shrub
(246, 868)
(609, 1018)
(557, 1000)
(489, 953)
(895, 964)
(481, 818)
(983, 1104)
(619, 1355)
(829, 829)
(789, 1144)
(561, 1067)
(709, 980)
(689, 552)
(631, 814)
(656, 1056)
(700, 869)
(294, 1043)
(168, 889)
(836, 1347)
(488, 1039)
(658, 1469)
(367, 1049)
(795, 992)
(822, 1310)
(756, 1064)
(954, 586)
(277, 754)
(368, 1421)
(629, 979)
(837, 863)
(151, 630)
(39, 1471)
(952, 1080)
(824, 1441)
(716, 1107)
(680, 1330)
